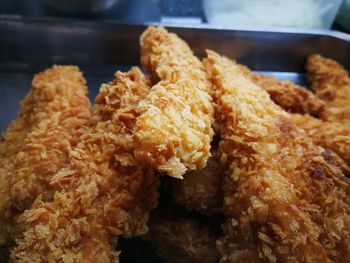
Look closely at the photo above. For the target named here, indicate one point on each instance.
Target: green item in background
(343, 17)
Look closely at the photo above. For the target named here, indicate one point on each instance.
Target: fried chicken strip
(104, 191)
(288, 95)
(285, 200)
(200, 190)
(174, 127)
(180, 237)
(39, 100)
(37, 144)
(331, 83)
(333, 136)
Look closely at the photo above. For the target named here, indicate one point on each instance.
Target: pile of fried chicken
(255, 168)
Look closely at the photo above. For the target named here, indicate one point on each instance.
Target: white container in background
(272, 13)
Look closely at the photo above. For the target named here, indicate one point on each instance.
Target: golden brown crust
(286, 94)
(333, 136)
(331, 83)
(179, 238)
(104, 192)
(39, 103)
(278, 181)
(37, 144)
(200, 190)
(174, 128)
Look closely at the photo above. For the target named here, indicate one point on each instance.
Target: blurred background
(304, 14)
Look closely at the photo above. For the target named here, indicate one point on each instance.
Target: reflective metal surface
(125, 10)
(30, 45)
(80, 6)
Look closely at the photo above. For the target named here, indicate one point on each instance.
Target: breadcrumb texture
(331, 83)
(289, 96)
(200, 190)
(285, 200)
(174, 127)
(104, 192)
(333, 136)
(37, 144)
(180, 238)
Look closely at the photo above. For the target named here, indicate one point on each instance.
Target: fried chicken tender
(333, 136)
(285, 200)
(331, 83)
(37, 144)
(174, 127)
(179, 237)
(200, 190)
(104, 191)
(288, 95)
(46, 86)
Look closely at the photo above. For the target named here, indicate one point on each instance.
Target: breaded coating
(52, 118)
(104, 192)
(289, 96)
(35, 104)
(200, 190)
(331, 83)
(181, 238)
(285, 200)
(329, 135)
(174, 128)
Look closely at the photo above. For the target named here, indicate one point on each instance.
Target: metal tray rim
(6, 19)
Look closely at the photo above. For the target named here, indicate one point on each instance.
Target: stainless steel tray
(30, 45)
